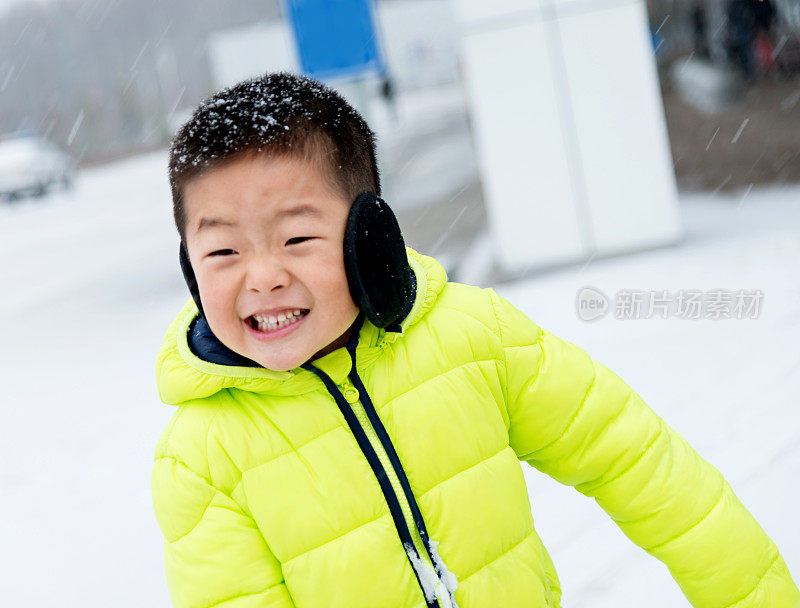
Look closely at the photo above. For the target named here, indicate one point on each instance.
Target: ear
(189, 277)
(378, 272)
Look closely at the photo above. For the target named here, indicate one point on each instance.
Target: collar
(182, 375)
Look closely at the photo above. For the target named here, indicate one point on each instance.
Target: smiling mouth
(267, 323)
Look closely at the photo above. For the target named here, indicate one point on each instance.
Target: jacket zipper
(379, 451)
(436, 570)
(361, 414)
(440, 591)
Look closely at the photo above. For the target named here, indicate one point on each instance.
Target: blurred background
(572, 154)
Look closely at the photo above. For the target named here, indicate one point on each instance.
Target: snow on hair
(277, 113)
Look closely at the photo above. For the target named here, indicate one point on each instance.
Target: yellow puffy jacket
(396, 482)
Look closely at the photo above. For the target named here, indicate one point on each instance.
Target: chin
(282, 365)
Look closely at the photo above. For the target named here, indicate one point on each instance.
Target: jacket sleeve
(577, 421)
(214, 554)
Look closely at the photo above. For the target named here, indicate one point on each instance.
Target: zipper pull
(350, 392)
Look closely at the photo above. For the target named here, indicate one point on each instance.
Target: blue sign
(335, 37)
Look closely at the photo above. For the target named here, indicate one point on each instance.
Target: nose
(266, 273)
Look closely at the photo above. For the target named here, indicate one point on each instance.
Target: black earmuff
(381, 281)
(380, 278)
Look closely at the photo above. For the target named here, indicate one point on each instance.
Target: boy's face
(255, 260)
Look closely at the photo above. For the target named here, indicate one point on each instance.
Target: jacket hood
(182, 376)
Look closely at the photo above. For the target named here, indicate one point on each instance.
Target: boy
(350, 423)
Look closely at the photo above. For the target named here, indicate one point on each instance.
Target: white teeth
(272, 322)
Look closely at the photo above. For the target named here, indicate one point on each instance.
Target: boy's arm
(214, 554)
(577, 421)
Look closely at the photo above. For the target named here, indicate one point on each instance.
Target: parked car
(32, 166)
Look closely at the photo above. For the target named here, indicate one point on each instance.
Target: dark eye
(299, 239)
(222, 252)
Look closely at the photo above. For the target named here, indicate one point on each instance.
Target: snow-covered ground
(90, 282)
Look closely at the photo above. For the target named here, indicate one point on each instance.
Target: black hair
(279, 113)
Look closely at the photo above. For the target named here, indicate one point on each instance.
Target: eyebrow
(304, 209)
(300, 210)
(210, 222)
